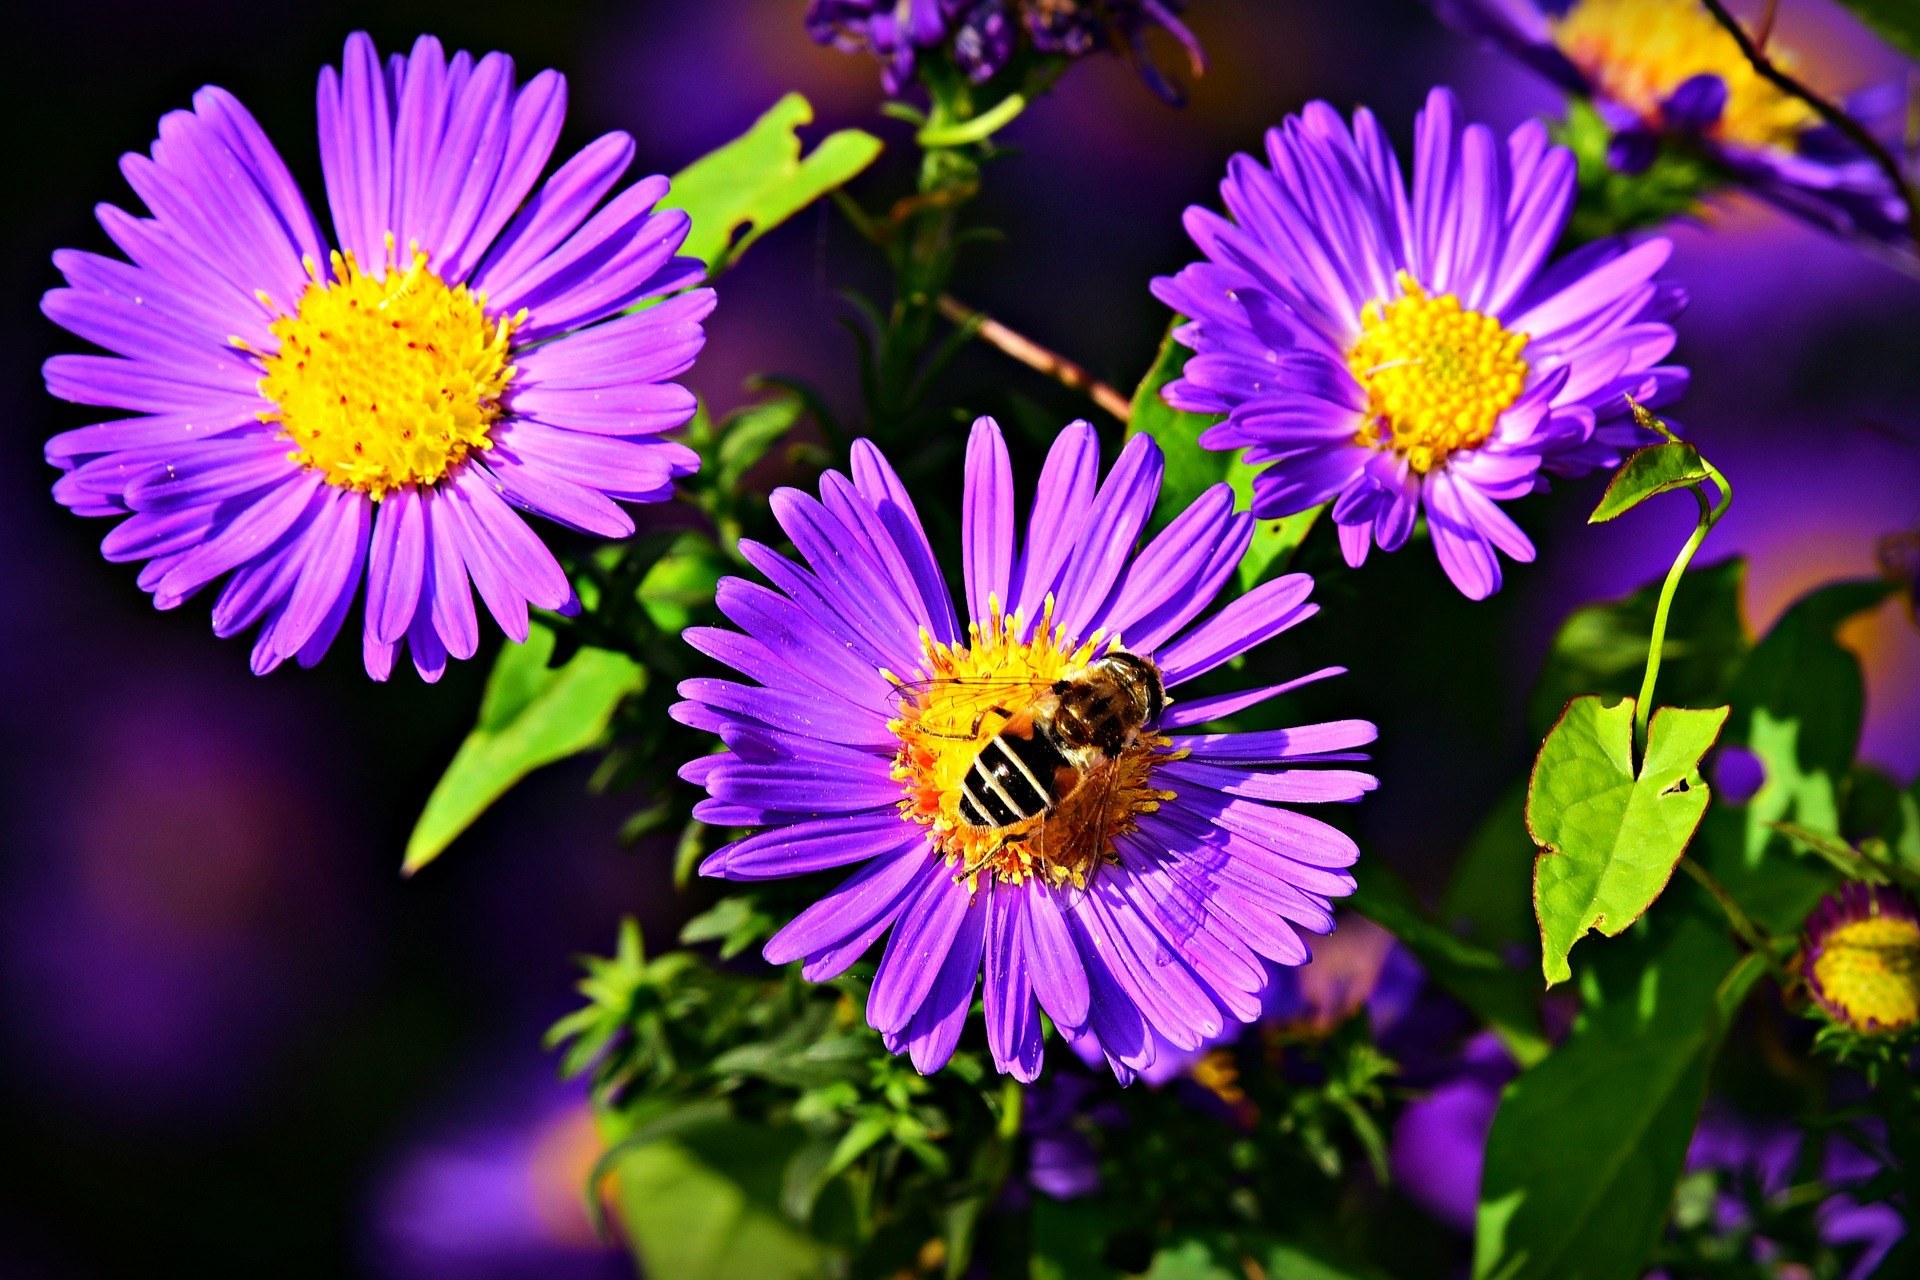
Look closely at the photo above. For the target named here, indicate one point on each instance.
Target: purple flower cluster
(305, 418)
(1410, 351)
(983, 35)
(1663, 68)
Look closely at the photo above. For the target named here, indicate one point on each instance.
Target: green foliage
(1488, 899)
(531, 715)
(1896, 21)
(705, 1203)
(1191, 470)
(740, 192)
(1257, 1147)
(1477, 977)
(1602, 648)
(1236, 1255)
(1611, 202)
(1658, 468)
(1610, 835)
(1798, 704)
(760, 1127)
(1588, 1146)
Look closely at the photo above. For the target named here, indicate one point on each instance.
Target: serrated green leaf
(1502, 996)
(531, 715)
(1602, 648)
(1610, 838)
(738, 193)
(1658, 468)
(1896, 21)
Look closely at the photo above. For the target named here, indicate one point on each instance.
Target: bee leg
(981, 719)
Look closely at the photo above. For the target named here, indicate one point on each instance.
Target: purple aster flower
(1658, 68)
(1401, 352)
(306, 417)
(1439, 1141)
(1861, 959)
(1762, 1157)
(1014, 791)
(1058, 1114)
(1359, 967)
(983, 35)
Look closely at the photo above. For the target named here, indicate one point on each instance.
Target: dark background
(235, 1041)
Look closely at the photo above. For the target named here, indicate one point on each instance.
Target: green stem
(1756, 938)
(1709, 516)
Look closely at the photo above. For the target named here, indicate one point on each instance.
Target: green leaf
(531, 715)
(1609, 839)
(736, 922)
(1489, 897)
(1798, 703)
(1658, 468)
(1069, 1238)
(682, 582)
(1896, 21)
(1190, 469)
(750, 432)
(1235, 1255)
(1502, 996)
(1274, 541)
(1602, 648)
(706, 1205)
(742, 191)
(1611, 202)
(1587, 1146)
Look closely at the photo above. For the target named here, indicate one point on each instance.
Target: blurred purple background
(238, 1041)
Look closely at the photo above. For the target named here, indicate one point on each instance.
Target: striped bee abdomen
(1011, 779)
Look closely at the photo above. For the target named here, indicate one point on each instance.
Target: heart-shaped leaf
(1610, 837)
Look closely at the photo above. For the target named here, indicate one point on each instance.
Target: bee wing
(971, 707)
(1169, 888)
(1078, 834)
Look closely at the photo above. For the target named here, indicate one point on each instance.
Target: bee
(1045, 778)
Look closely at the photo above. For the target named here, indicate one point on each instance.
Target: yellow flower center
(1639, 51)
(1437, 375)
(1869, 970)
(387, 380)
(966, 695)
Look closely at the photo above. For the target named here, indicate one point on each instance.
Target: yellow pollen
(1437, 375)
(964, 696)
(1218, 1074)
(386, 380)
(1639, 51)
(1869, 970)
